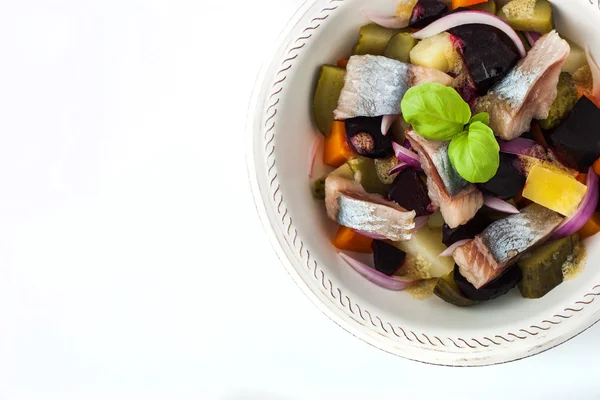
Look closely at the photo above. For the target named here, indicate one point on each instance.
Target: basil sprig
(437, 112)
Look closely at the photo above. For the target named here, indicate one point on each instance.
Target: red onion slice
(396, 283)
(370, 235)
(407, 156)
(313, 157)
(421, 222)
(398, 168)
(387, 22)
(584, 212)
(523, 147)
(386, 123)
(499, 205)
(595, 74)
(470, 17)
(450, 250)
(532, 37)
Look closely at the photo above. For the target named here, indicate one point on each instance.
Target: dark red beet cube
(488, 53)
(388, 258)
(508, 181)
(410, 192)
(496, 288)
(365, 137)
(576, 140)
(425, 12)
(467, 231)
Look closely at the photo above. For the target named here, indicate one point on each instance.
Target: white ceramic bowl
(281, 135)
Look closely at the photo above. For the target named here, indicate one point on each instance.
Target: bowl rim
(506, 347)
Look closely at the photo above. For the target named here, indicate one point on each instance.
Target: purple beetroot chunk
(425, 12)
(365, 137)
(467, 231)
(388, 259)
(488, 53)
(410, 192)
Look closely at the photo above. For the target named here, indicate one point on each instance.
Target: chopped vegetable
(400, 46)
(367, 175)
(410, 192)
(388, 259)
(581, 178)
(387, 121)
(584, 212)
(387, 282)
(488, 6)
(498, 204)
(373, 40)
(318, 186)
(564, 103)
(450, 250)
(425, 12)
(407, 156)
(591, 227)
(349, 240)
(496, 288)
(425, 246)
(576, 58)
(595, 69)
(538, 136)
(532, 37)
(528, 15)
(576, 139)
(437, 52)
(467, 3)
(554, 189)
(467, 231)
(337, 151)
(383, 167)
(329, 87)
(596, 166)
(470, 17)
(365, 137)
(542, 268)
(508, 181)
(342, 63)
(447, 290)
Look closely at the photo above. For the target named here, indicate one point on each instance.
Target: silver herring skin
(349, 205)
(457, 199)
(375, 86)
(501, 244)
(529, 89)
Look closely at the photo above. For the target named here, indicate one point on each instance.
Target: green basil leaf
(481, 117)
(435, 111)
(475, 154)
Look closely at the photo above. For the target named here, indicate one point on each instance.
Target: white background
(132, 263)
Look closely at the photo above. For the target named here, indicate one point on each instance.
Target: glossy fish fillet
(529, 89)
(484, 258)
(375, 85)
(349, 205)
(457, 199)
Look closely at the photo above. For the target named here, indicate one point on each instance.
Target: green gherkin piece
(365, 173)
(447, 290)
(373, 40)
(329, 87)
(528, 15)
(489, 7)
(399, 47)
(565, 101)
(383, 166)
(542, 268)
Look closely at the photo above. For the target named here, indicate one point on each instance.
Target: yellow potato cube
(554, 189)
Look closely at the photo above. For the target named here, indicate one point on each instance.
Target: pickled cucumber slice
(565, 101)
(329, 87)
(542, 268)
(528, 15)
(399, 47)
(365, 173)
(318, 186)
(489, 6)
(447, 290)
(373, 40)
(383, 166)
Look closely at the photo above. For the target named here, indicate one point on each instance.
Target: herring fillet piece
(350, 205)
(375, 85)
(484, 258)
(528, 90)
(457, 199)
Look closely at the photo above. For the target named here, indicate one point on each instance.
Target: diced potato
(528, 15)
(424, 249)
(435, 52)
(436, 220)
(554, 189)
(576, 59)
